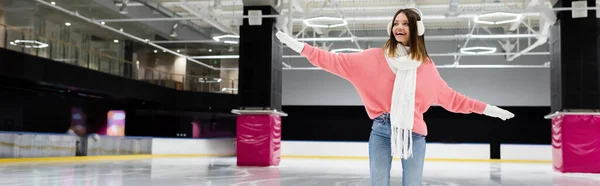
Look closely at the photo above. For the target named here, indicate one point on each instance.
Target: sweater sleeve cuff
(307, 50)
(479, 107)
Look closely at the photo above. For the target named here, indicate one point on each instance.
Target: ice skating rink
(222, 171)
(169, 92)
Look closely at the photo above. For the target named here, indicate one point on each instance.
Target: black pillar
(128, 67)
(260, 62)
(575, 49)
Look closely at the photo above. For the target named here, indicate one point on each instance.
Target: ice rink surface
(216, 171)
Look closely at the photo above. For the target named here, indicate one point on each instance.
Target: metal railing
(87, 55)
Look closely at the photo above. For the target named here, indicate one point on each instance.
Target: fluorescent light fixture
(209, 80)
(342, 22)
(231, 42)
(174, 30)
(471, 50)
(511, 17)
(346, 50)
(228, 89)
(29, 44)
(123, 9)
(218, 38)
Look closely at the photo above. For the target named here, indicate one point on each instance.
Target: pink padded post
(258, 140)
(576, 143)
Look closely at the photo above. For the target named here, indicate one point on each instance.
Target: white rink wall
(41, 143)
(525, 152)
(31, 145)
(174, 146)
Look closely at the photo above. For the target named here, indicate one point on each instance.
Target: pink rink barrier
(576, 143)
(258, 140)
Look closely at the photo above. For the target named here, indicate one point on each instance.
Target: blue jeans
(380, 158)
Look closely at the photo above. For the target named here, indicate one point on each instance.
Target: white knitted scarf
(403, 102)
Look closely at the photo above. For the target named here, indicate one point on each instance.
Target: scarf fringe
(402, 142)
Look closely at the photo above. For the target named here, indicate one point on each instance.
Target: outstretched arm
(340, 64)
(454, 101)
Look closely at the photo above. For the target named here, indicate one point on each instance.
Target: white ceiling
(370, 17)
(361, 14)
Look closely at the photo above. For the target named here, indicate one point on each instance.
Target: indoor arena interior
(299, 93)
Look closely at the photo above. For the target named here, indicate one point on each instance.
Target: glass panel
(71, 45)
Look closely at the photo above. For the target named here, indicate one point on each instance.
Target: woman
(397, 84)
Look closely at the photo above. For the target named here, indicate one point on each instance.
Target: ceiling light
(173, 30)
(67, 24)
(209, 80)
(333, 22)
(103, 22)
(29, 44)
(497, 18)
(123, 9)
(116, 41)
(218, 38)
(53, 3)
(226, 89)
(474, 50)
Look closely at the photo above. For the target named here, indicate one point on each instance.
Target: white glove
(494, 111)
(290, 42)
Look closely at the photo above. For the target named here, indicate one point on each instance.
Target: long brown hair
(417, 43)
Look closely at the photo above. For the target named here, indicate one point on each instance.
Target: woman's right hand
(290, 42)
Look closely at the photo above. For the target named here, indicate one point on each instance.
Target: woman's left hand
(497, 112)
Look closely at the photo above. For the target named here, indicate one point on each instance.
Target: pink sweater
(372, 77)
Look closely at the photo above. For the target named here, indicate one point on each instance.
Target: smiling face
(404, 31)
(401, 29)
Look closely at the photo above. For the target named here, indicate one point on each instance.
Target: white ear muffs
(420, 25)
(389, 28)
